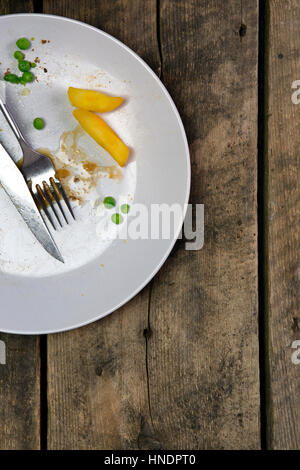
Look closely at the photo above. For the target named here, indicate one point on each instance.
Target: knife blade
(16, 187)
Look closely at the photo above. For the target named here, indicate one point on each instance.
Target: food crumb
(62, 173)
(43, 41)
(37, 60)
(25, 92)
(90, 167)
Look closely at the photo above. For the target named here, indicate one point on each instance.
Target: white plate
(38, 294)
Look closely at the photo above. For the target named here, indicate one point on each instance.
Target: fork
(40, 175)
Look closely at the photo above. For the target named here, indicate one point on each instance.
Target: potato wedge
(102, 134)
(92, 100)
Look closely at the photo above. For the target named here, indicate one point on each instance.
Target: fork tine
(58, 188)
(47, 197)
(56, 198)
(41, 203)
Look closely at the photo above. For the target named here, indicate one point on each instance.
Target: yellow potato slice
(93, 100)
(102, 134)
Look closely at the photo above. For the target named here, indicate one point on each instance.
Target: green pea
(39, 123)
(18, 55)
(125, 208)
(117, 218)
(24, 65)
(109, 202)
(33, 65)
(28, 77)
(11, 77)
(23, 43)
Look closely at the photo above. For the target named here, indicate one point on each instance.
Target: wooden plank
(283, 215)
(20, 367)
(19, 393)
(15, 6)
(203, 352)
(97, 377)
(97, 384)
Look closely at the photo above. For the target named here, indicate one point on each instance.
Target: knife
(16, 187)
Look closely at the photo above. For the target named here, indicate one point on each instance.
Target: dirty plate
(103, 267)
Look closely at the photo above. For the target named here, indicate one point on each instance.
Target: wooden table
(203, 357)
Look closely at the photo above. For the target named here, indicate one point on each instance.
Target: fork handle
(11, 122)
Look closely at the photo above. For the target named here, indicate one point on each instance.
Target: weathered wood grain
(20, 394)
(97, 385)
(15, 6)
(97, 377)
(203, 352)
(19, 377)
(283, 217)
